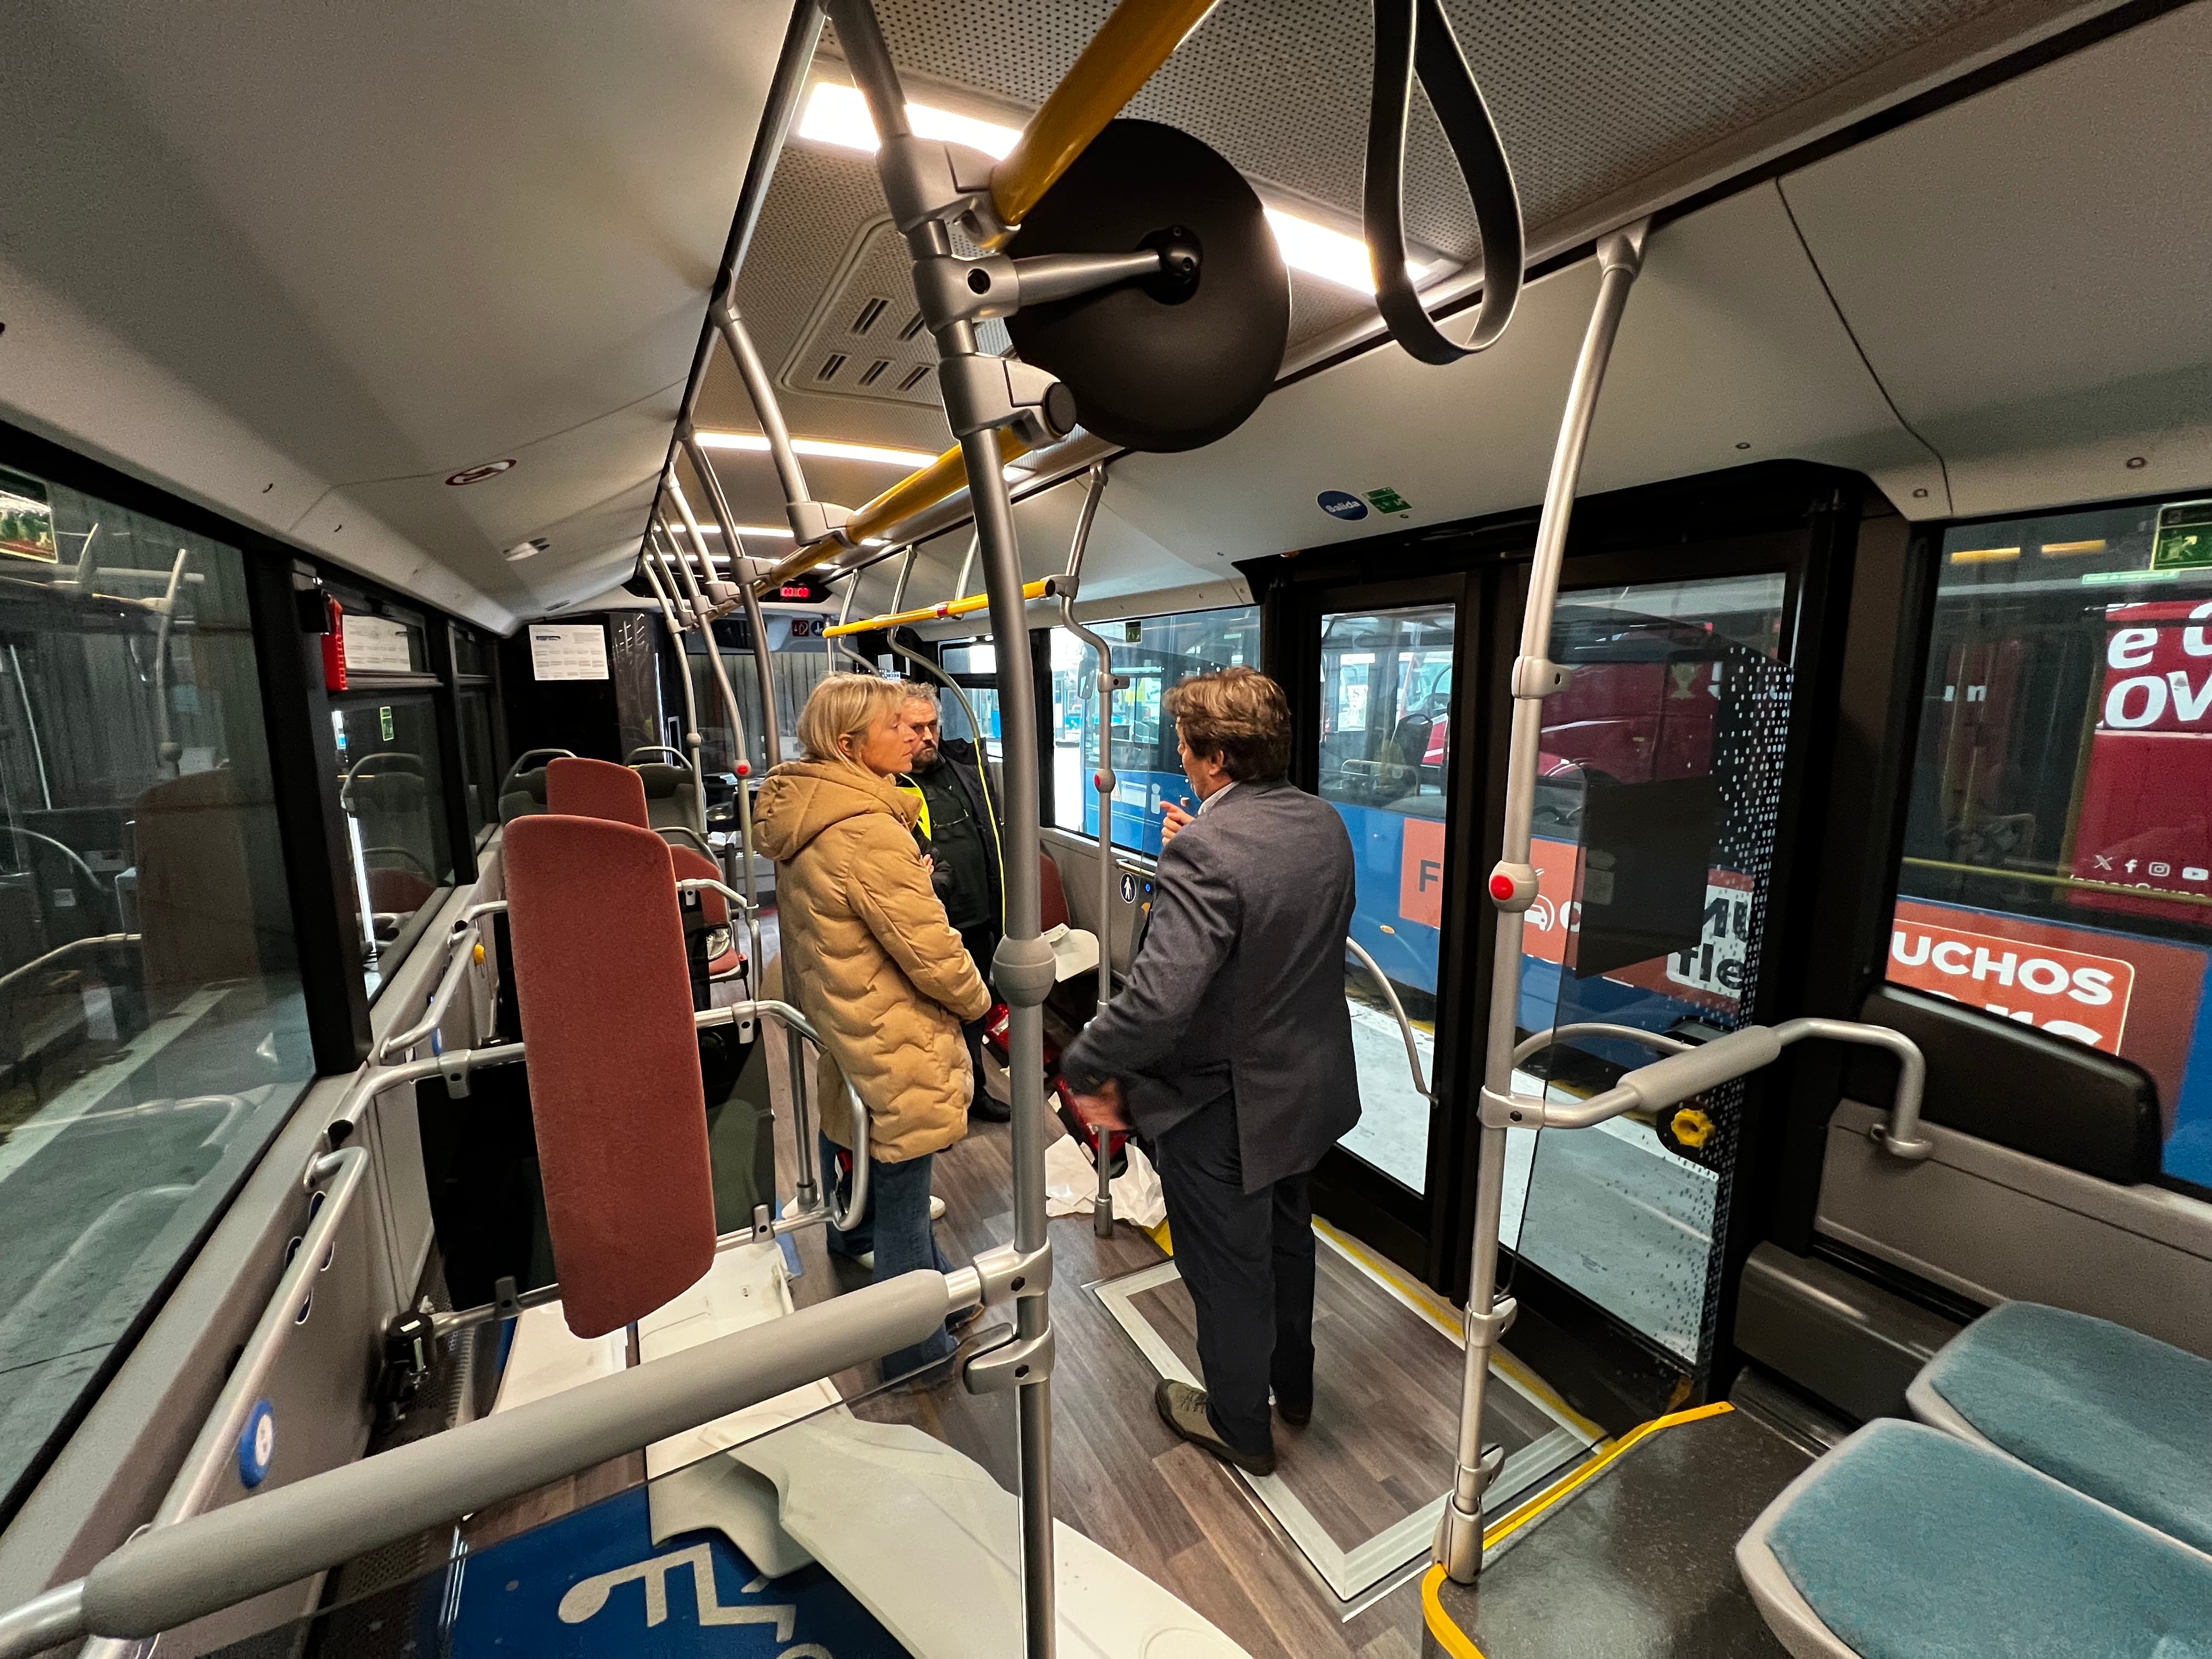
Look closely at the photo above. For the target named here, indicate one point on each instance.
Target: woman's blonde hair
(845, 706)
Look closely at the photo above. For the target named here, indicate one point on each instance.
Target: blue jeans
(896, 1228)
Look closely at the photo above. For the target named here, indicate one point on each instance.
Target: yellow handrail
(974, 602)
(1139, 37)
(909, 496)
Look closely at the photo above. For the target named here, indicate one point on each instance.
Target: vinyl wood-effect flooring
(1119, 1475)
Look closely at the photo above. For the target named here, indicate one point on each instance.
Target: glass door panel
(1385, 738)
(1655, 821)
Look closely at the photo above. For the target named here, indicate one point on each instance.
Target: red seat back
(605, 997)
(1052, 897)
(595, 789)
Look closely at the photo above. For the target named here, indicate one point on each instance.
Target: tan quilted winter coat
(869, 955)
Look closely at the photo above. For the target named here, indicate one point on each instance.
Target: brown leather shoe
(1182, 1408)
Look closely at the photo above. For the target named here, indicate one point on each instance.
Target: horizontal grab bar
(170, 1576)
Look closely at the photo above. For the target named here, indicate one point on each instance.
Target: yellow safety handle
(974, 602)
(1139, 37)
(925, 488)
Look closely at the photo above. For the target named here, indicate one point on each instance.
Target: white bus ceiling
(306, 266)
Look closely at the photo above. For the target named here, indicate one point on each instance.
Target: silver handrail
(1512, 886)
(1398, 1012)
(1538, 1042)
(88, 942)
(170, 1576)
(462, 948)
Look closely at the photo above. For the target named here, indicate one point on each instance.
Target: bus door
(1377, 712)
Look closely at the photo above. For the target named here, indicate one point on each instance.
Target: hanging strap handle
(1414, 36)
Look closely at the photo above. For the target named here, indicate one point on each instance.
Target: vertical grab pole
(1512, 887)
(683, 662)
(771, 722)
(1102, 1205)
(1022, 968)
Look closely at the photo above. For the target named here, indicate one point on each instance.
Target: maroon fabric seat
(605, 997)
(1052, 896)
(596, 789)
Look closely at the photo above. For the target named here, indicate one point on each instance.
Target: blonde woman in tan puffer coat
(871, 960)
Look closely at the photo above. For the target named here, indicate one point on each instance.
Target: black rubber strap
(1415, 36)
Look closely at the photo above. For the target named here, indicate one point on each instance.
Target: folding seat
(1907, 1543)
(2119, 1416)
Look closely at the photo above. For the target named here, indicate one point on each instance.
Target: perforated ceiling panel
(1589, 96)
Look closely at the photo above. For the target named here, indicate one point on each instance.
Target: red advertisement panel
(2126, 996)
(1421, 872)
(2145, 815)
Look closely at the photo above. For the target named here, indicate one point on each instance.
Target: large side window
(2059, 855)
(1151, 655)
(152, 1031)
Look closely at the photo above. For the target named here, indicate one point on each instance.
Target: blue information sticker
(1340, 504)
(257, 1445)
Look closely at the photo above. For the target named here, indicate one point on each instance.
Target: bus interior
(1726, 490)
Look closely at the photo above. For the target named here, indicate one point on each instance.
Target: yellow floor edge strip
(1455, 1641)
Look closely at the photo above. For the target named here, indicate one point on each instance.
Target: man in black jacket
(1230, 1050)
(963, 836)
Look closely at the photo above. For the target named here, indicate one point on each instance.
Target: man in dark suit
(1231, 1051)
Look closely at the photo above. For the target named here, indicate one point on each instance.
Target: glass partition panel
(152, 1032)
(1386, 690)
(2058, 863)
(1660, 769)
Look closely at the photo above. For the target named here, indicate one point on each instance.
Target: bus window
(1385, 743)
(153, 1035)
(1153, 653)
(2057, 864)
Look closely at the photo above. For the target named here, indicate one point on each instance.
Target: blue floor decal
(593, 1584)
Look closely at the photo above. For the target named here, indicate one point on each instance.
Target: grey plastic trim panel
(1995, 1225)
(1788, 1615)
(1846, 1340)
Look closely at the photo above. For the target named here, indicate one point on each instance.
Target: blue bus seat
(1907, 1543)
(2119, 1416)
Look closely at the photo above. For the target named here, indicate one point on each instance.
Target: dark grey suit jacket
(1239, 984)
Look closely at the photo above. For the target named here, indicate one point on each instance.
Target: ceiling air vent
(865, 339)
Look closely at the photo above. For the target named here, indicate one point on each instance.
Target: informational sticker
(1341, 504)
(384, 723)
(1388, 501)
(375, 645)
(1129, 888)
(567, 651)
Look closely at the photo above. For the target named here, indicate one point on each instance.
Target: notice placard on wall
(375, 645)
(567, 651)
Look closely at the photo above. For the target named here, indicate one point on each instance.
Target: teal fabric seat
(1907, 1543)
(2115, 1414)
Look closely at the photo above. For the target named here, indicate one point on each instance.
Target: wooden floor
(1119, 1475)
(1386, 1402)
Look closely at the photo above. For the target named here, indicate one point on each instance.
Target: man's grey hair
(922, 691)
